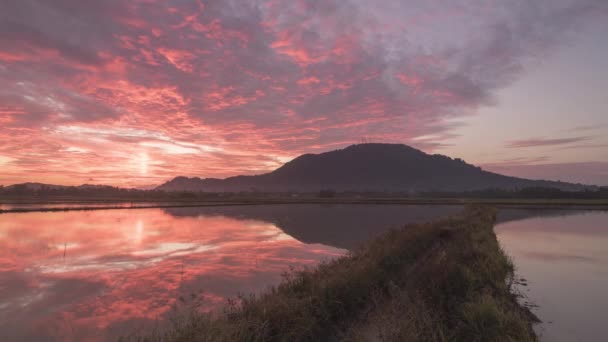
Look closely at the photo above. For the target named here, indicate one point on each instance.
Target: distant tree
(328, 193)
(187, 194)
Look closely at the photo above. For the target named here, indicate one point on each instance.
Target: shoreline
(87, 205)
(441, 281)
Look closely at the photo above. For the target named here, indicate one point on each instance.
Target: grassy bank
(445, 281)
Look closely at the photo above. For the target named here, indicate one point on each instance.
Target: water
(564, 258)
(97, 275)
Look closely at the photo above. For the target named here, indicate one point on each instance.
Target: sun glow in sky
(132, 93)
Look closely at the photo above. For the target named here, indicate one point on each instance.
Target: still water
(97, 275)
(564, 258)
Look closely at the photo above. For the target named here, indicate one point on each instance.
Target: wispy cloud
(519, 161)
(252, 78)
(583, 172)
(541, 142)
(586, 128)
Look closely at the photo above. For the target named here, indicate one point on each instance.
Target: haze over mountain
(367, 167)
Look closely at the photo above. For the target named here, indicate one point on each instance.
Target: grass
(442, 281)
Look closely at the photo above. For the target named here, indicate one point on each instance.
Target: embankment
(442, 281)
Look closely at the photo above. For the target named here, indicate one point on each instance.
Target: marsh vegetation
(442, 281)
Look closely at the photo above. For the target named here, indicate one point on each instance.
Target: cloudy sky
(132, 93)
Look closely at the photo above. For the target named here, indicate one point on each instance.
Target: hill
(41, 187)
(367, 167)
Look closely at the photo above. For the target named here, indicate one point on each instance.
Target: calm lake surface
(97, 275)
(564, 258)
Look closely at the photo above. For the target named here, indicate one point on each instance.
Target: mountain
(32, 186)
(35, 186)
(367, 167)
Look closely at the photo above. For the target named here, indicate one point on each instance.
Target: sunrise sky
(133, 93)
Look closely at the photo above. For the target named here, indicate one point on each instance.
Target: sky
(133, 93)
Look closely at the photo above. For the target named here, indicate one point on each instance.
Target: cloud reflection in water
(99, 274)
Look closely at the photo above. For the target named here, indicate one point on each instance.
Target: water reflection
(339, 225)
(96, 275)
(565, 262)
(99, 274)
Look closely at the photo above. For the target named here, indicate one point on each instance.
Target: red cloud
(190, 86)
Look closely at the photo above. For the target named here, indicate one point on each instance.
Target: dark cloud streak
(539, 142)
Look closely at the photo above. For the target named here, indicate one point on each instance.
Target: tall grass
(443, 281)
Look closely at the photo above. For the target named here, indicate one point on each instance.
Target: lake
(97, 275)
(563, 256)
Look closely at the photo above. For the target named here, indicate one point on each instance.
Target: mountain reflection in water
(97, 275)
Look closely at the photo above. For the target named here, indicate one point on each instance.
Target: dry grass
(445, 281)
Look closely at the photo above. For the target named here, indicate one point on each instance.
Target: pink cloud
(213, 89)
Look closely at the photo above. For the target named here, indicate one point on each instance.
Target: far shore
(80, 204)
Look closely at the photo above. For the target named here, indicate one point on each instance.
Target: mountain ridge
(367, 167)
